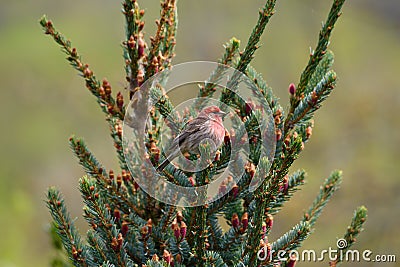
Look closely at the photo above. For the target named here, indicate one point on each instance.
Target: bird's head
(213, 112)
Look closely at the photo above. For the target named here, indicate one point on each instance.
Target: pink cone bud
(179, 216)
(268, 251)
(155, 64)
(177, 231)
(115, 244)
(150, 225)
(74, 53)
(178, 258)
(235, 221)
(141, 46)
(222, 188)
(227, 138)
(167, 256)
(235, 190)
(136, 185)
(183, 229)
(87, 73)
(249, 107)
(155, 258)
(144, 231)
(314, 97)
(131, 42)
(119, 180)
(124, 228)
(278, 134)
(292, 89)
(140, 76)
(263, 229)
(287, 140)
(111, 174)
(120, 100)
(192, 181)
(250, 168)
(309, 131)
(245, 221)
(285, 186)
(217, 156)
(277, 120)
(75, 253)
(292, 260)
(120, 240)
(117, 214)
(265, 250)
(174, 222)
(269, 221)
(102, 93)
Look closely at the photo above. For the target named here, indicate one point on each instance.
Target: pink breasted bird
(207, 125)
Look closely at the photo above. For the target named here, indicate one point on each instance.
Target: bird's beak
(222, 114)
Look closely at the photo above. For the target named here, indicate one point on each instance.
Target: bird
(207, 125)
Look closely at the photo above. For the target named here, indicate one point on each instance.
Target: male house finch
(207, 125)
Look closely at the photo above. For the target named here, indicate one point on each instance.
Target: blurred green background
(43, 102)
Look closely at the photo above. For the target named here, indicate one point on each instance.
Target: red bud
(245, 221)
(183, 229)
(308, 131)
(292, 89)
(235, 190)
(269, 221)
(124, 228)
(292, 260)
(117, 214)
(167, 256)
(177, 231)
(235, 221)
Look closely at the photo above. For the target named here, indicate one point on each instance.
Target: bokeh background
(43, 102)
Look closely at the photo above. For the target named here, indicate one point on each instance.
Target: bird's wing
(190, 128)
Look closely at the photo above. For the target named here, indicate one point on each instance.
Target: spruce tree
(131, 227)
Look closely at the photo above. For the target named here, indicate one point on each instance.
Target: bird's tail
(163, 165)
